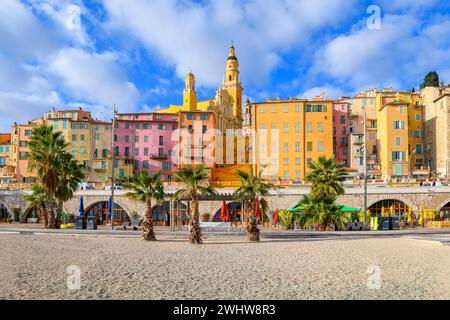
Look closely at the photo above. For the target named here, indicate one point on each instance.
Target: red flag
(275, 217)
(257, 209)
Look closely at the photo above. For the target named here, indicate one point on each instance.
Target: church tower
(232, 84)
(189, 94)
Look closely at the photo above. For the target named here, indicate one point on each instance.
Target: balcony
(159, 156)
(98, 166)
(359, 140)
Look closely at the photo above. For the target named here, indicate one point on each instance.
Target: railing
(159, 156)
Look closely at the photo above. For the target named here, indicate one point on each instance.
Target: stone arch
(8, 209)
(219, 207)
(443, 204)
(90, 204)
(397, 197)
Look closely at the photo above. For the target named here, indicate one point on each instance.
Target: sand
(35, 267)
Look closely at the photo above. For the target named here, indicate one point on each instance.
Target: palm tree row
(149, 190)
(58, 173)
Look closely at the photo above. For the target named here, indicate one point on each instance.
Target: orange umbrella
(257, 209)
(224, 214)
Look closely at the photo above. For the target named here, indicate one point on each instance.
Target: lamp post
(113, 159)
(365, 162)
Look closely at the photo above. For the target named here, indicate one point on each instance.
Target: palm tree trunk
(252, 227)
(196, 232)
(148, 232)
(51, 212)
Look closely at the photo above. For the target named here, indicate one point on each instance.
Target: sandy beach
(35, 267)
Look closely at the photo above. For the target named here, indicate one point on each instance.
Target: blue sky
(135, 53)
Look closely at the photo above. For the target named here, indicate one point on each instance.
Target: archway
(399, 208)
(161, 213)
(235, 210)
(444, 212)
(4, 213)
(101, 211)
(32, 215)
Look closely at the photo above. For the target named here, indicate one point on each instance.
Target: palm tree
(326, 177)
(47, 150)
(70, 176)
(38, 200)
(195, 180)
(148, 189)
(322, 213)
(319, 207)
(252, 187)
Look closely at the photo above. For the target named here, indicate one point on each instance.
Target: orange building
(287, 135)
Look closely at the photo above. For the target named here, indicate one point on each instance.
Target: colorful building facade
(341, 133)
(287, 135)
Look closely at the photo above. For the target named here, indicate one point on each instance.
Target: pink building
(147, 139)
(341, 132)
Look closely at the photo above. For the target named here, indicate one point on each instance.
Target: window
(82, 137)
(105, 153)
(297, 108)
(286, 175)
(274, 109)
(190, 116)
(161, 126)
(136, 164)
(145, 126)
(204, 117)
(127, 138)
(262, 109)
(286, 127)
(64, 124)
(82, 151)
(145, 164)
(399, 124)
(417, 116)
(23, 144)
(167, 166)
(297, 161)
(342, 119)
(273, 126)
(136, 139)
(161, 152)
(55, 124)
(398, 156)
(262, 147)
(298, 175)
(145, 138)
(127, 151)
(136, 151)
(74, 151)
(309, 161)
(28, 133)
(297, 146)
(286, 109)
(286, 147)
(23, 155)
(309, 146)
(137, 126)
(319, 127)
(145, 151)
(429, 147)
(204, 129)
(309, 127)
(397, 141)
(297, 127)
(419, 148)
(161, 140)
(285, 161)
(320, 146)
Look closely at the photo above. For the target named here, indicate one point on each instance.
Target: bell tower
(189, 94)
(232, 84)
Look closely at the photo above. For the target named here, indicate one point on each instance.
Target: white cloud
(330, 92)
(189, 35)
(399, 54)
(94, 77)
(38, 70)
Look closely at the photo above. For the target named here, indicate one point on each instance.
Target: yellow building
(436, 104)
(287, 135)
(400, 134)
